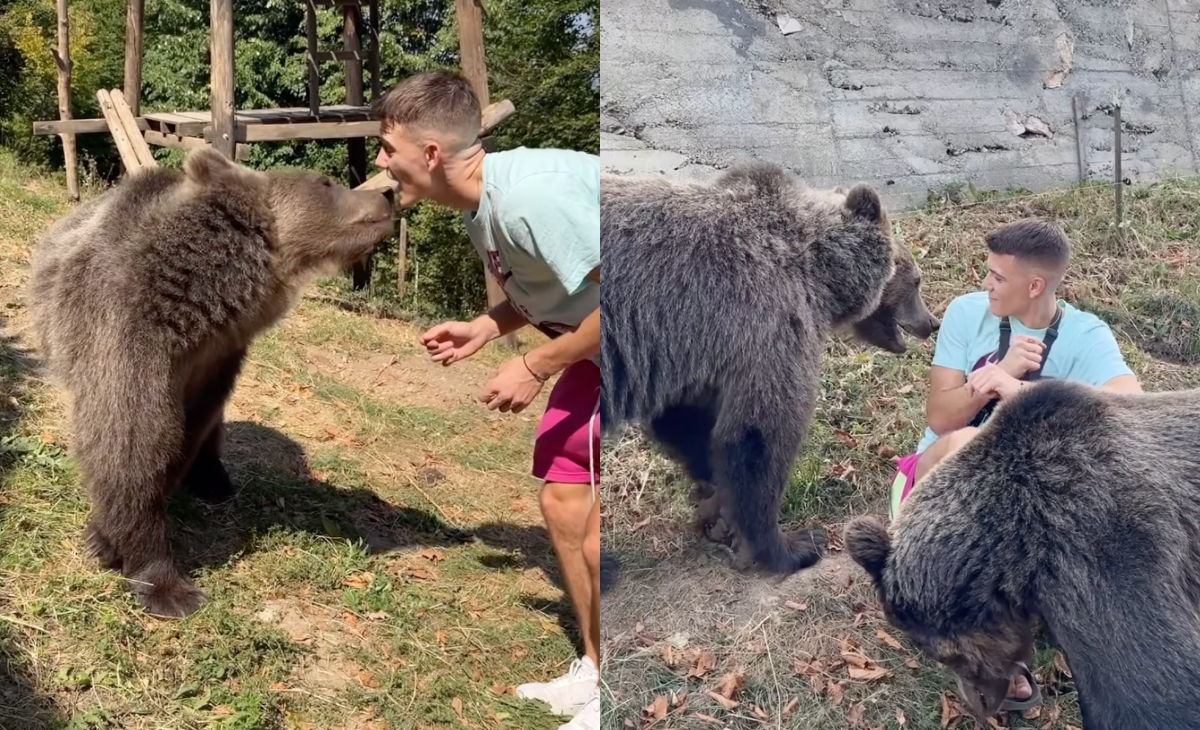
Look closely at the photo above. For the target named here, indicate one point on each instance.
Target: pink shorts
(902, 483)
(571, 423)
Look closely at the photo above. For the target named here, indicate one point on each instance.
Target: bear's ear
(207, 167)
(869, 544)
(863, 202)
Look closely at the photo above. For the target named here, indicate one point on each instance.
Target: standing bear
(145, 300)
(718, 300)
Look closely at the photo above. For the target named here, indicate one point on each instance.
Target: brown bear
(719, 297)
(145, 300)
(1076, 510)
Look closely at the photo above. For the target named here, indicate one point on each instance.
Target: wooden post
(223, 138)
(376, 82)
(402, 260)
(134, 23)
(356, 147)
(314, 83)
(474, 69)
(62, 61)
(1117, 164)
(1076, 107)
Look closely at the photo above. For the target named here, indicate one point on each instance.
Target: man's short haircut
(439, 101)
(1034, 241)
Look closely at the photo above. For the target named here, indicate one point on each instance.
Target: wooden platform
(261, 125)
(336, 121)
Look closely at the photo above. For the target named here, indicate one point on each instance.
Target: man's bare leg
(939, 451)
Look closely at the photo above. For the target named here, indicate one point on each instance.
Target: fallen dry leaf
(360, 580)
(725, 702)
(758, 711)
(1060, 663)
(867, 675)
(441, 637)
(457, 704)
(857, 716)
(222, 710)
(431, 554)
(834, 690)
(888, 639)
(796, 606)
(950, 710)
(913, 664)
(732, 683)
(658, 708)
(790, 706)
(704, 664)
(900, 718)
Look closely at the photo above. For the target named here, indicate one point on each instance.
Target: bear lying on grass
(1073, 508)
(717, 302)
(145, 300)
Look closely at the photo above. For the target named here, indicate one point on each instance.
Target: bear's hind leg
(753, 455)
(206, 477)
(685, 432)
(207, 480)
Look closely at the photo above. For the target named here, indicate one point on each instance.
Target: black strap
(1005, 335)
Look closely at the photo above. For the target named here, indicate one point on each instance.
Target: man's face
(410, 161)
(1010, 285)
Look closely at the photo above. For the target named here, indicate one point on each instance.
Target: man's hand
(450, 342)
(1024, 356)
(511, 389)
(993, 381)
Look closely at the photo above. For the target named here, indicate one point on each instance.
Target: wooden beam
(470, 47)
(222, 76)
(174, 141)
(78, 126)
(129, 124)
(373, 46)
(129, 155)
(402, 260)
(310, 32)
(474, 68)
(356, 147)
(134, 24)
(62, 61)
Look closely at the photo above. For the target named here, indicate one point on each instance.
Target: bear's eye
(327, 182)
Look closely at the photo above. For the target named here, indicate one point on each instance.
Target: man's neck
(464, 180)
(1040, 314)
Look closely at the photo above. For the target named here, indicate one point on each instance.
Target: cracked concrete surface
(909, 95)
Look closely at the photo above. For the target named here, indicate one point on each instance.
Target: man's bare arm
(950, 405)
(554, 356)
(500, 320)
(1123, 384)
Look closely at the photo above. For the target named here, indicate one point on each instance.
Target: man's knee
(944, 447)
(566, 506)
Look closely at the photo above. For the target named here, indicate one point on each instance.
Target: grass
(383, 566)
(690, 644)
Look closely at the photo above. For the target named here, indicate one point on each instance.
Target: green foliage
(543, 55)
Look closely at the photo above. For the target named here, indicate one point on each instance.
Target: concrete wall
(908, 95)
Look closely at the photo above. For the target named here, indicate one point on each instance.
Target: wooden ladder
(353, 54)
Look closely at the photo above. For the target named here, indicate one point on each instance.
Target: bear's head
(982, 651)
(901, 304)
(318, 223)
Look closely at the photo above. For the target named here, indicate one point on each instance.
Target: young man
(1047, 338)
(534, 218)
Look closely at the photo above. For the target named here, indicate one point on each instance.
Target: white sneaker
(567, 694)
(589, 717)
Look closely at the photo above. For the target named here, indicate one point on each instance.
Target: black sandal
(1014, 705)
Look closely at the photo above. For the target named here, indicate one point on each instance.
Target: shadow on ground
(277, 490)
(22, 707)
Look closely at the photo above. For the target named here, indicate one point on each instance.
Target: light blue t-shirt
(537, 229)
(1084, 351)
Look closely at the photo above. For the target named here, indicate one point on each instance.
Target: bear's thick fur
(1075, 509)
(717, 302)
(145, 300)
